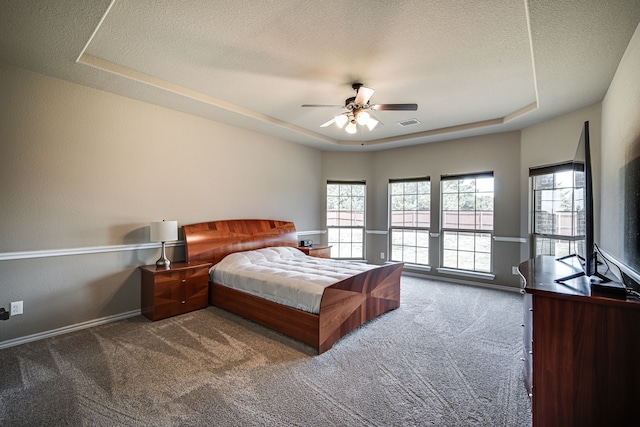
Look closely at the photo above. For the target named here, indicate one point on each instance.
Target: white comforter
(284, 275)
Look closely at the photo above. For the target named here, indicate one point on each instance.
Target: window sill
(416, 267)
(476, 275)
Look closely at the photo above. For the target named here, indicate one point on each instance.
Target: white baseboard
(67, 329)
(462, 282)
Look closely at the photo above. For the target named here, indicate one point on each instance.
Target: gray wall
(620, 179)
(82, 168)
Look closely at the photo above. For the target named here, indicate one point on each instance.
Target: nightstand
(316, 251)
(181, 288)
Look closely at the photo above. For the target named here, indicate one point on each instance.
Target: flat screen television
(583, 207)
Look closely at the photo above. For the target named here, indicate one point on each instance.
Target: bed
(343, 306)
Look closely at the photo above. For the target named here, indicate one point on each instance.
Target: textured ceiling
(473, 67)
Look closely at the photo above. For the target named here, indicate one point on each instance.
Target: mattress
(283, 275)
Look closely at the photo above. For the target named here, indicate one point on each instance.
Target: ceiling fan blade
(322, 105)
(398, 107)
(363, 95)
(329, 123)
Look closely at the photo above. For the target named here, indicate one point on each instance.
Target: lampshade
(372, 123)
(341, 120)
(164, 231)
(351, 127)
(363, 117)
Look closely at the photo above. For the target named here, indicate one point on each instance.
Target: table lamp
(164, 231)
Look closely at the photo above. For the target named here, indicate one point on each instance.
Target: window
(467, 222)
(558, 202)
(409, 220)
(346, 219)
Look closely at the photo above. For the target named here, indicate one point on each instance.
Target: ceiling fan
(358, 108)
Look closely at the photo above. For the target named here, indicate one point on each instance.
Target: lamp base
(163, 262)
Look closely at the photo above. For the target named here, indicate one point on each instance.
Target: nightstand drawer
(316, 251)
(177, 290)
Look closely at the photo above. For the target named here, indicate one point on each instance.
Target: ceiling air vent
(409, 122)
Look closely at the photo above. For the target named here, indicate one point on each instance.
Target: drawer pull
(183, 302)
(184, 281)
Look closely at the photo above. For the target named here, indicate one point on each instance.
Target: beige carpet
(450, 355)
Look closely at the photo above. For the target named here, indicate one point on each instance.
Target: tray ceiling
(472, 67)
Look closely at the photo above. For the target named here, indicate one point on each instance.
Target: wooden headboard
(212, 241)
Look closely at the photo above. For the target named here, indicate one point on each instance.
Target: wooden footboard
(356, 300)
(344, 306)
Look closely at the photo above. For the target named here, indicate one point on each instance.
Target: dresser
(581, 350)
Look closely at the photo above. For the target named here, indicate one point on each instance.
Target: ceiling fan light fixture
(341, 120)
(351, 127)
(363, 117)
(372, 123)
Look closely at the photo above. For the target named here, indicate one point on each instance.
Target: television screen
(583, 208)
(583, 203)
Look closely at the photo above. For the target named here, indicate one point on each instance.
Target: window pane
(564, 179)
(484, 201)
(467, 202)
(450, 258)
(358, 190)
(483, 262)
(542, 182)
(466, 241)
(344, 250)
(467, 185)
(424, 187)
(409, 254)
(450, 240)
(466, 260)
(450, 219)
(484, 185)
(423, 256)
(422, 239)
(449, 186)
(450, 202)
(397, 188)
(397, 202)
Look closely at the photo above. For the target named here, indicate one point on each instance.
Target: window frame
(482, 236)
(338, 246)
(416, 229)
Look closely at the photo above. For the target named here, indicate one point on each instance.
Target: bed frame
(344, 305)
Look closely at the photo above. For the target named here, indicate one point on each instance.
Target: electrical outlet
(514, 270)
(381, 255)
(16, 308)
